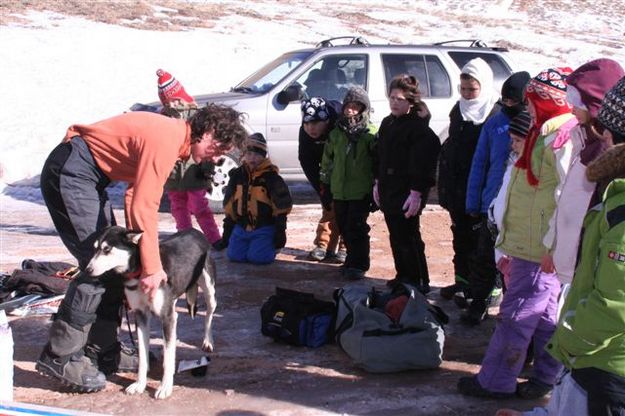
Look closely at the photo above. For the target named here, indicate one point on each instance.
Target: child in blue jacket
(487, 170)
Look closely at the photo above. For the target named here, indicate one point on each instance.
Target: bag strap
(347, 321)
(280, 291)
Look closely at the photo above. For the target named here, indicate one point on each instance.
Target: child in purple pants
(529, 308)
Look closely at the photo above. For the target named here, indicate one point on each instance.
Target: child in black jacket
(318, 119)
(407, 154)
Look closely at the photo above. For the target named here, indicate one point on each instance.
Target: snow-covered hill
(57, 70)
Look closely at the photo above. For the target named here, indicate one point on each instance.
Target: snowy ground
(59, 70)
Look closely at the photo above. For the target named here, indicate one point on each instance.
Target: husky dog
(186, 261)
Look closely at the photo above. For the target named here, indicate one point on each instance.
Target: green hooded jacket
(591, 331)
(347, 162)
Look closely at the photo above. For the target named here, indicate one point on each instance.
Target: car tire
(220, 180)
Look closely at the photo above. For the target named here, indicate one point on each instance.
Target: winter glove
(492, 227)
(326, 196)
(279, 239)
(412, 204)
(376, 194)
(207, 171)
(225, 237)
(220, 244)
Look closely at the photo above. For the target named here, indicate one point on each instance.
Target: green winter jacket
(529, 208)
(591, 331)
(348, 167)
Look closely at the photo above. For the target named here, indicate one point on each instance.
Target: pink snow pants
(193, 202)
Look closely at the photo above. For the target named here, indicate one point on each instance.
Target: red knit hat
(547, 92)
(170, 89)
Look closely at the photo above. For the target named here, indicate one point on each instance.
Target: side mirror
(291, 93)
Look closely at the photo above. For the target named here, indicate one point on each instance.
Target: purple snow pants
(528, 310)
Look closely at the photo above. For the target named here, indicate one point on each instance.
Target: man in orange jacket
(138, 148)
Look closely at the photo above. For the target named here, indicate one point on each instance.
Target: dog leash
(130, 332)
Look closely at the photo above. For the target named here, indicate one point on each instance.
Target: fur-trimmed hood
(608, 166)
(357, 95)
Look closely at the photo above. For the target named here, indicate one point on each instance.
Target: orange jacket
(139, 148)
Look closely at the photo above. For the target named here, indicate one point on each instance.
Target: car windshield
(265, 78)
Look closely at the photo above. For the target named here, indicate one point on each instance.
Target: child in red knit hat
(188, 182)
(529, 307)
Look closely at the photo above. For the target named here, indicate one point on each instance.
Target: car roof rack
(354, 40)
(473, 43)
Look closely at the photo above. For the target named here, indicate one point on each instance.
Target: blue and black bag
(298, 318)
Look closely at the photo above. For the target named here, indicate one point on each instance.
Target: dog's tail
(207, 272)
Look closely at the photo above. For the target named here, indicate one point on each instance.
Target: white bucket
(6, 359)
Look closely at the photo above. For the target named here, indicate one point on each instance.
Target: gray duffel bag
(388, 331)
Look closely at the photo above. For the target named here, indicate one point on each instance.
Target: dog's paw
(164, 390)
(135, 388)
(207, 345)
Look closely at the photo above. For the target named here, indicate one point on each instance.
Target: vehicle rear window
(501, 70)
(433, 79)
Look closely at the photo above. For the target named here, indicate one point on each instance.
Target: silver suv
(271, 96)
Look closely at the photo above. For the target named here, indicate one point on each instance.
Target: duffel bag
(298, 318)
(388, 331)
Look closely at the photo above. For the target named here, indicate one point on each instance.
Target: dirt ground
(250, 374)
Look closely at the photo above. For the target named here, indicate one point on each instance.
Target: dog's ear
(134, 236)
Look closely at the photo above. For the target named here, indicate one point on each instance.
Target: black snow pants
(74, 191)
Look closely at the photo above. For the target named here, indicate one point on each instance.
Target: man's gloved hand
(279, 239)
(412, 204)
(326, 196)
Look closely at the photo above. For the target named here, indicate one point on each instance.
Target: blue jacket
(489, 163)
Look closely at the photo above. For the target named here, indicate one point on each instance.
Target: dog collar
(133, 275)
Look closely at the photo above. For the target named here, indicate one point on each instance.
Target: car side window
(331, 76)
(428, 69)
(438, 79)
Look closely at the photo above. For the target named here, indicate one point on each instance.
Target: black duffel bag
(298, 318)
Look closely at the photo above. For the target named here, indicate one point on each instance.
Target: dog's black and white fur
(186, 261)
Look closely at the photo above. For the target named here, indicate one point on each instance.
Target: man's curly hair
(225, 122)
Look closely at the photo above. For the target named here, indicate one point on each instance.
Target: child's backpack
(387, 331)
(298, 318)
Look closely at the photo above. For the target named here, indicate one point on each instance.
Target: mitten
(279, 239)
(225, 237)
